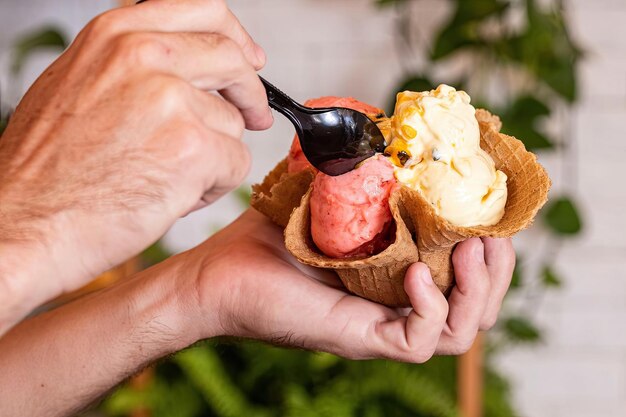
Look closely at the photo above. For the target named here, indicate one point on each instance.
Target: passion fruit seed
(403, 157)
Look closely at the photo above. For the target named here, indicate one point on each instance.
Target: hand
(250, 286)
(119, 137)
(240, 282)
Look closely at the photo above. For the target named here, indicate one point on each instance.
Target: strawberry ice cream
(296, 161)
(350, 213)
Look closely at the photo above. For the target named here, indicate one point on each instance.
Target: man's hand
(240, 282)
(250, 286)
(120, 137)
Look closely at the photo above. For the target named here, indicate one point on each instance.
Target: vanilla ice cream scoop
(436, 150)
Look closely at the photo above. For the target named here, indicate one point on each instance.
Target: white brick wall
(344, 47)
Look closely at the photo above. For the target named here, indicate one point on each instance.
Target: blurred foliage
(251, 379)
(45, 38)
(26, 46)
(562, 217)
(221, 378)
(521, 329)
(3, 123)
(154, 254)
(522, 118)
(549, 277)
(243, 194)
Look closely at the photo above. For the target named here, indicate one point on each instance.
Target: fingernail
(426, 277)
(479, 251)
(260, 54)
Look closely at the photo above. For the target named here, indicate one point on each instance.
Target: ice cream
(405, 222)
(436, 150)
(350, 213)
(296, 161)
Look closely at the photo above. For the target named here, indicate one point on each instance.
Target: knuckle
(229, 116)
(488, 322)
(104, 25)
(183, 146)
(235, 119)
(440, 311)
(190, 140)
(422, 356)
(138, 50)
(462, 345)
(229, 51)
(218, 7)
(235, 166)
(170, 94)
(240, 167)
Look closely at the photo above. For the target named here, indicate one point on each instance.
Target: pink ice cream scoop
(296, 161)
(350, 213)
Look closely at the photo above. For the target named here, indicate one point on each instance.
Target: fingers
(216, 113)
(500, 260)
(208, 16)
(468, 299)
(319, 317)
(413, 338)
(207, 61)
(224, 151)
(199, 133)
(230, 159)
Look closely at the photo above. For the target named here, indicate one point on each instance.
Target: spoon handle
(282, 103)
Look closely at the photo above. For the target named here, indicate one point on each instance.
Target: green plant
(23, 48)
(533, 67)
(537, 63)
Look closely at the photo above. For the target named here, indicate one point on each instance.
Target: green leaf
(154, 254)
(522, 118)
(562, 217)
(516, 279)
(3, 125)
(205, 370)
(383, 3)
(28, 44)
(463, 29)
(243, 194)
(520, 329)
(549, 277)
(546, 50)
(496, 395)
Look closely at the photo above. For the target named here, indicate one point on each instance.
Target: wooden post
(470, 380)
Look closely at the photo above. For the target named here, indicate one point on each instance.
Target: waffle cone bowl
(420, 234)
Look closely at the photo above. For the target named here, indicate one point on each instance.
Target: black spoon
(333, 139)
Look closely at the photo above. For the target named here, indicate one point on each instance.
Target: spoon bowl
(334, 139)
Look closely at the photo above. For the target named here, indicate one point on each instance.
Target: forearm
(60, 361)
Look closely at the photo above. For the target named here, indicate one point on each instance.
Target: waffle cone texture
(420, 234)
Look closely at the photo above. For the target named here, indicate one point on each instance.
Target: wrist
(166, 298)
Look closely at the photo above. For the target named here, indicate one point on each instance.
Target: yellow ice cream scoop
(436, 149)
